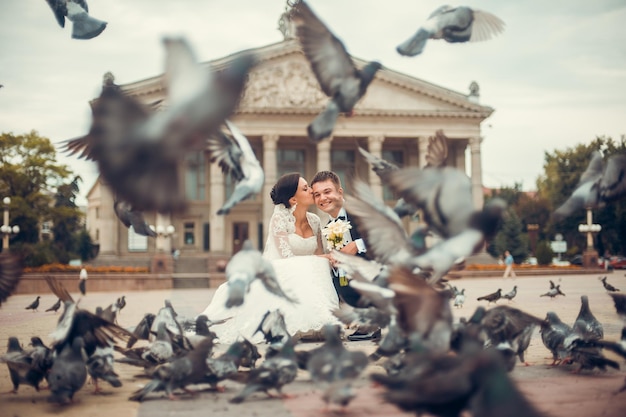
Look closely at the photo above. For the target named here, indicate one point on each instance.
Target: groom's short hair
(325, 176)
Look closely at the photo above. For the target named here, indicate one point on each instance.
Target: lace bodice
(283, 242)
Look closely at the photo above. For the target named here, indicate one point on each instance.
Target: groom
(328, 197)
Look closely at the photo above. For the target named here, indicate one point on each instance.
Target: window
(189, 234)
(195, 176)
(136, 243)
(342, 163)
(290, 160)
(396, 157)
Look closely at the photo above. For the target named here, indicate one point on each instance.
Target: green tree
(39, 191)
(510, 237)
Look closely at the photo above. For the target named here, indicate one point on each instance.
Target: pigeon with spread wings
(77, 11)
(333, 67)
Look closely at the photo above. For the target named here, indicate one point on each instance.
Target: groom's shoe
(359, 336)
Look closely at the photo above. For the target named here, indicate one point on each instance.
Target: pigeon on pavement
(511, 294)
(25, 367)
(83, 25)
(68, 373)
(453, 24)
(333, 67)
(491, 298)
(459, 299)
(34, 305)
(586, 324)
(225, 365)
(553, 335)
(235, 156)
(608, 286)
(100, 366)
(553, 292)
(55, 307)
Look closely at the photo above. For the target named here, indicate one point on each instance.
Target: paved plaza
(555, 391)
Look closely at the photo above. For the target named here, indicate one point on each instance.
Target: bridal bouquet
(333, 233)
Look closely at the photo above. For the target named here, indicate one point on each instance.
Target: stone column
(459, 153)
(375, 145)
(476, 173)
(323, 155)
(217, 197)
(270, 168)
(422, 143)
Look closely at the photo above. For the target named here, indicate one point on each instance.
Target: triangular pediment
(282, 82)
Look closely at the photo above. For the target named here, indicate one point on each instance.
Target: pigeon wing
(380, 166)
(327, 55)
(485, 26)
(59, 9)
(437, 150)
(613, 182)
(184, 78)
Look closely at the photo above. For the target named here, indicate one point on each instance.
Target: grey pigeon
(120, 303)
(225, 365)
(511, 294)
(553, 335)
(142, 330)
(139, 154)
(250, 354)
(365, 319)
(608, 286)
(24, 368)
(333, 67)
(100, 366)
(245, 266)
(10, 274)
(34, 305)
(179, 373)
(55, 307)
(459, 299)
(129, 217)
(273, 373)
(586, 324)
(392, 342)
(620, 305)
(274, 330)
(600, 184)
(618, 347)
(68, 373)
(340, 392)
(83, 25)
(492, 297)
(235, 156)
(553, 292)
(453, 24)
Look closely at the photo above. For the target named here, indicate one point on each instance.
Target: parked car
(576, 260)
(618, 262)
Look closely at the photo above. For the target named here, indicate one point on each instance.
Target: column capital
(474, 143)
(375, 140)
(270, 139)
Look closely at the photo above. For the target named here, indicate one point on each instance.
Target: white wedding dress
(301, 274)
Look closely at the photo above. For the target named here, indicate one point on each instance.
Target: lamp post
(590, 256)
(7, 230)
(162, 262)
(162, 234)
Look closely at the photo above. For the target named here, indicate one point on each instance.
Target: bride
(294, 246)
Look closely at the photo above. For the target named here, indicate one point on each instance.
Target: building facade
(394, 121)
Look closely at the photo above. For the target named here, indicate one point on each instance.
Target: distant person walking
(82, 281)
(508, 261)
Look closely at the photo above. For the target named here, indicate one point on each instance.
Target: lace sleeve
(316, 225)
(282, 224)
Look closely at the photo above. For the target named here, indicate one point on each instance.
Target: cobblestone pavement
(556, 391)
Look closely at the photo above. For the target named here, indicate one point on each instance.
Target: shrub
(544, 253)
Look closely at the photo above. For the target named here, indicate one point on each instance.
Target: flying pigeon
(235, 156)
(453, 24)
(245, 266)
(142, 330)
(608, 286)
(77, 11)
(68, 373)
(600, 184)
(129, 217)
(139, 154)
(24, 368)
(333, 67)
(491, 298)
(10, 274)
(273, 373)
(55, 307)
(34, 305)
(511, 294)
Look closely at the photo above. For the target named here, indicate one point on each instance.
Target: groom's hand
(350, 248)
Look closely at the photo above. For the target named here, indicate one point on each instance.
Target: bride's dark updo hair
(285, 188)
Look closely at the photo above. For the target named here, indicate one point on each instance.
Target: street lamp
(7, 230)
(162, 233)
(590, 257)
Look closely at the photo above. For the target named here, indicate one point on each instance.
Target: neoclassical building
(394, 121)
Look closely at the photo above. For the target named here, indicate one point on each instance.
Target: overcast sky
(556, 77)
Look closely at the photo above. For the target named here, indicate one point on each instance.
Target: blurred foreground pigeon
(83, 25)
(553, 335)
(459, 299)
(333, 362)
(235, 156)
(608, 286)
(68, 373)
(491, 298)
(453, 24)
(134, 218)
(620, 305)
(224, 366)
(273, 373)
(245, 266)
(100, 366)
(600, 183)
(139, 154)
(34, 305)
(25, 367)
(10, 274)
(333, 67)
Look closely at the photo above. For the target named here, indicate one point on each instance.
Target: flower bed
(89, 268)
(478, 267)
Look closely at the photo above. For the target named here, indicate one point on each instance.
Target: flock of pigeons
(138, 153)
